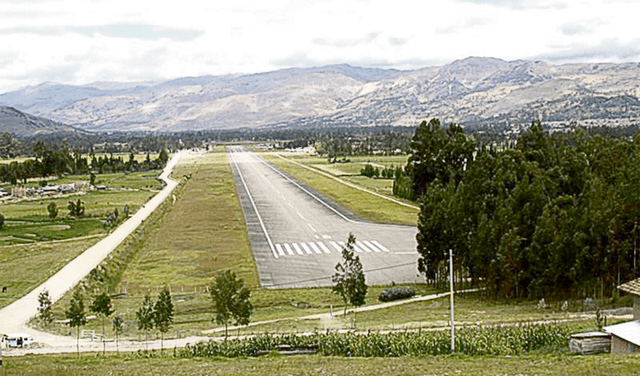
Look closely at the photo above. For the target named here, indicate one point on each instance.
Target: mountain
(474, 92)
(18, 123)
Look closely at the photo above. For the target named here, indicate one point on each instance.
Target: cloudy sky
(83, 41)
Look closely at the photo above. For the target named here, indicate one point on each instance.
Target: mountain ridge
(474, 92)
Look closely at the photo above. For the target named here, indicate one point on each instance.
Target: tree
(163, 156)
(349, 281)
(118, 328)
(145, 316)
(230, 300)
(52, 208)
(1, 221)
(76, 315)
(102, 307)
(76, 209)
(163, 313)
(45, 313)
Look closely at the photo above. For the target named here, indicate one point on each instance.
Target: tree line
(557, 214)
(60, 159)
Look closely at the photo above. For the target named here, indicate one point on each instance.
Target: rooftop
(628, 331)
(632, 287)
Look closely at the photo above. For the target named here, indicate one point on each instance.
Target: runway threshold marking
(321, 248)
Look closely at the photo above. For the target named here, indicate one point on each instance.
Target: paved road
(14, 317)
(297, 236)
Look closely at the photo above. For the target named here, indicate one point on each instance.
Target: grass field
(23, 267)
(33, 246)
(202, 233)
(364, 205)
(132, 365)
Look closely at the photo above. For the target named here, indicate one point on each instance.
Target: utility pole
(453, 328)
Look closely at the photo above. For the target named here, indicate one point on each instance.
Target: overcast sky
(83, 41)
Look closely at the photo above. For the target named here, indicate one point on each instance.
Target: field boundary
(328, 175)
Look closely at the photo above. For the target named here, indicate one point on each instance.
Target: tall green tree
(144, 316)
(349, 280)
(52, 209)
(101, 306)
(163, 313)
(230, 300)
(76, 315)
(45, 312)
(118, 328)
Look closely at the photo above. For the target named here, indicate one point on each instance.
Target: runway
(297, 235)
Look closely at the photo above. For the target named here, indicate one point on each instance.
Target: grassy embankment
(132, 365)
(364, 205)
(33, 246)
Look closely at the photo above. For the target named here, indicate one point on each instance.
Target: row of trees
(386, 172)
(59, 160)
(557, 214)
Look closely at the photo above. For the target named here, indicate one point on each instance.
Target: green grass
(26, 231)
(363, 204)
(203, 233)
(97, 205)
(23, 267)
(132, 365)
(28, 258)
(184, 247)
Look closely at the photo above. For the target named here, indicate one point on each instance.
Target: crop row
(472, 341)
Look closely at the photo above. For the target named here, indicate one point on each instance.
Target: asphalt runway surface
(297, 235)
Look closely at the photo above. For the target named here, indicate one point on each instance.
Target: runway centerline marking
(311, 227)
(253, 203)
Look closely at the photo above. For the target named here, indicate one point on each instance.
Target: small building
(625, 337)
(590, 343)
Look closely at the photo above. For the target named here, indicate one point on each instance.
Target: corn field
(471, 341)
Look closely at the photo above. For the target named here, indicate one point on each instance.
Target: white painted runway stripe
(315, 248)
(363, 246)
(297, 248)
(368, 244)
(379, 246)
(306, 248)
(288, 248)
(320, 248)
(358, 249)
(324, 247)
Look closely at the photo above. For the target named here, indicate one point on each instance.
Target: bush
(396, 293)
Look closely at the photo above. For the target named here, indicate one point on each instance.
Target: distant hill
(474, 92)
(18, 123)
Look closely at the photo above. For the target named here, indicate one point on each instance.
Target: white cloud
(76, 41)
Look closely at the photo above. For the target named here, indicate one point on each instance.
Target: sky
(84, 41)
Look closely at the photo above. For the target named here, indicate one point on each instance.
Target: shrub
(396, 293)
